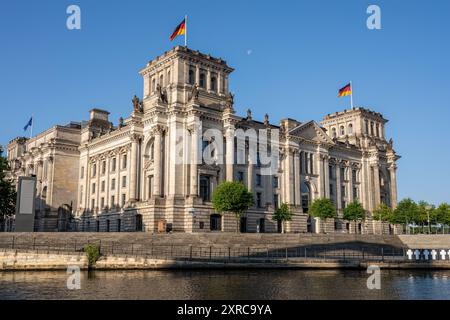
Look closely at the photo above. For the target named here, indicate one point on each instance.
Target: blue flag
(29, 124)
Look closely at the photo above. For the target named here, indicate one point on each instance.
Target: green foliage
(383, 213)
(232, 196)
(354, 212)
(283, 213)
(93, 253)
(323, 208)
(424, 210)
(442, 214)
(7, 191)
(406, 212)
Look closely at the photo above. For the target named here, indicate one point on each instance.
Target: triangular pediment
(311, 131)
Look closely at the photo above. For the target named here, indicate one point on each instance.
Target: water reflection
(227, 284)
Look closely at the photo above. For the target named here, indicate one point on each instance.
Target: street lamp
(428, 208)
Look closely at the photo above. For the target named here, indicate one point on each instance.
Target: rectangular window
(93, 204)
(331, 172)
(103, 167)
(103, 186)
(113, 165)
(240, 176)
(311, 163)
(94, 170)
(343, 177)
(205, 188)
(93, 188)
(113, 201)
(355, 193)
(258, 200)
(331, 189)
(124, 199)
(124, 181)
(124, 162)
(275, 182)
(275, 201)
(343, 191)
(113, 184)
(102, 203)
(354, 176)
(81, 195)
(258, 180)
(82, 173)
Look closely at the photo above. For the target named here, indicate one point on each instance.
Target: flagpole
(185, 30)
(351, 94)
(32, 123)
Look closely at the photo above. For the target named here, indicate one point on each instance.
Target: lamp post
(428, 208)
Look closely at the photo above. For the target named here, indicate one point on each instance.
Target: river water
(227, 284)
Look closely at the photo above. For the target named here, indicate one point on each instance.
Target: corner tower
(174, 77)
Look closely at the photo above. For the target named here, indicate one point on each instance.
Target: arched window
(161, 80)
(213, 84)
(191, 76)
(153, 85)
(342, 131)
(202, 80)
(306, 196)
(350, 129)
(333, 132)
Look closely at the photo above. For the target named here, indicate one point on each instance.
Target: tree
(383, 214)
(425, 212)
(281, 214)
(406, 212)
(7, 191)
(323, 208)
(232, 197)
(442, 214)
(354, 212)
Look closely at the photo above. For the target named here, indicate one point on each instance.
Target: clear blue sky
(290, 57)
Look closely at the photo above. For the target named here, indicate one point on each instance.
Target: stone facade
(130, 177)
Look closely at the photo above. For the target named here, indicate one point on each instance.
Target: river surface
(227, 285)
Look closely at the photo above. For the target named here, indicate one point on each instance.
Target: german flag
(179, 30)
(345, 91)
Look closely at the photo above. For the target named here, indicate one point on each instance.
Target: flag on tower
(29, 124)
(345, 91)
(179, 30)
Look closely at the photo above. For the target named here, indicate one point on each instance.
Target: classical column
(133, 168)
(250, 173)
(196, 132)
(339, 183)
(289, 176)
(229, 157)
(350, 184)
(297, 178)
(376, 185)
(157, 163)
(393, 175)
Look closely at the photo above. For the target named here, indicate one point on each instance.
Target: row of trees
(411, 214)
(233, 197)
